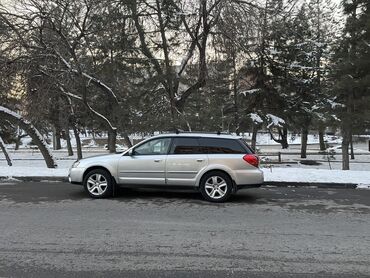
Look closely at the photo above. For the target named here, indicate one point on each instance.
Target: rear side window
(215, 146)
(185, 146)
(250, 150)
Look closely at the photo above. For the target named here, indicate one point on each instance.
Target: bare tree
(15, 118)
(57, 35)
(5, 151)
(193, 26)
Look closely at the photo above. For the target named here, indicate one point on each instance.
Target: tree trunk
(68, 139)
(351, 146)
(127, 140)
(56, 138)
(58, 145)
(15, 118)
(17, 142)
(235, 92)
(112, 140)
(284, 138)
(78, 142)
(321, 140)
(5, 151)
(304, 143)
(345, 147)
(254, 137)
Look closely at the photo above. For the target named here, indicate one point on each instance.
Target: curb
(309, 184)
(266, 183)
(36, 178)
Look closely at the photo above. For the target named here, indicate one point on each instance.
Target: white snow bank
(32, 172)
(363, 186)
(316, 175)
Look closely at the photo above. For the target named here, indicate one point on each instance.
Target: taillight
(252, 159)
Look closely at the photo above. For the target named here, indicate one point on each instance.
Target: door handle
(200, 160)
(157, 160)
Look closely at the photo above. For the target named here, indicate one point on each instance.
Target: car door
(146, 164)
(184, 161)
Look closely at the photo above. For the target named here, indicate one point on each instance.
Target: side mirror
(130, 152)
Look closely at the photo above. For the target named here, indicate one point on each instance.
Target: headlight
(75, 164)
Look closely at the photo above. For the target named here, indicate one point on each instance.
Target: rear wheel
(216, 186)
(98, 184)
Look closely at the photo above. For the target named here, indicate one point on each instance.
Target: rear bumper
(249, 177)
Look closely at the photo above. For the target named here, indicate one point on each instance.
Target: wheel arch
(95, 167)
(217, 169)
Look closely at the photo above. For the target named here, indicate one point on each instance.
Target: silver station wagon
(217, 165)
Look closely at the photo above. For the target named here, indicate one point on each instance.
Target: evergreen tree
(352, 73)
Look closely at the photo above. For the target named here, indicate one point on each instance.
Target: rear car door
(185, 160)
(146, 164)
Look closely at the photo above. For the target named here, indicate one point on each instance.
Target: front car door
(146, 164)
(184, 161)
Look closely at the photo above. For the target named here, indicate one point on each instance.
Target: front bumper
(76, 175)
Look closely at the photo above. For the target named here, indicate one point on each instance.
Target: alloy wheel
(97, 184)
(215, 187)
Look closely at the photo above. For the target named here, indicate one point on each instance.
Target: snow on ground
(17, 171)
(316, 175)
(363, 186)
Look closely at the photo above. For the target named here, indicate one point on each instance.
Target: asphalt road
(53, 230)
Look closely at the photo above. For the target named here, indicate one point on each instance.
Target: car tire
(216, 186)
(98, 184)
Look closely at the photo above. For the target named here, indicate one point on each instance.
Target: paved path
(54, 230)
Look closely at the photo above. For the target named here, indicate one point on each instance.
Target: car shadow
(39, 192)
(170, 196)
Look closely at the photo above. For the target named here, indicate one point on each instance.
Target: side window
(215, 146)
(153, 147)
(185, 146)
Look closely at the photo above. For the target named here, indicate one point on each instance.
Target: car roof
(195, 134)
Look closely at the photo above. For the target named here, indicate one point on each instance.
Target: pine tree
(352, 73)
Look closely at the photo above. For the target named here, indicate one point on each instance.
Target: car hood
(97, 158)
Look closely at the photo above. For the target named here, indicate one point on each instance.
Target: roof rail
(178, 131)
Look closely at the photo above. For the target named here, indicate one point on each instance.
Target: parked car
(217, 165)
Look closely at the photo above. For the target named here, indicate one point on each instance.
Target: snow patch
(14, 172)
(363, 186)
(274, 121)
(255, 118)
(316, 175)
(250, 92)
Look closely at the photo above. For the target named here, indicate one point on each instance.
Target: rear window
(250, 150)
(216, 145)
(186, 146)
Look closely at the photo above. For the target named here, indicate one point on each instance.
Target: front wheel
(98, 184)
(216, 186)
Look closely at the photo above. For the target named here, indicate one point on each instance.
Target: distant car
(217, 165)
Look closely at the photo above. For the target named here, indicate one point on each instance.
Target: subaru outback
(217, 165)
